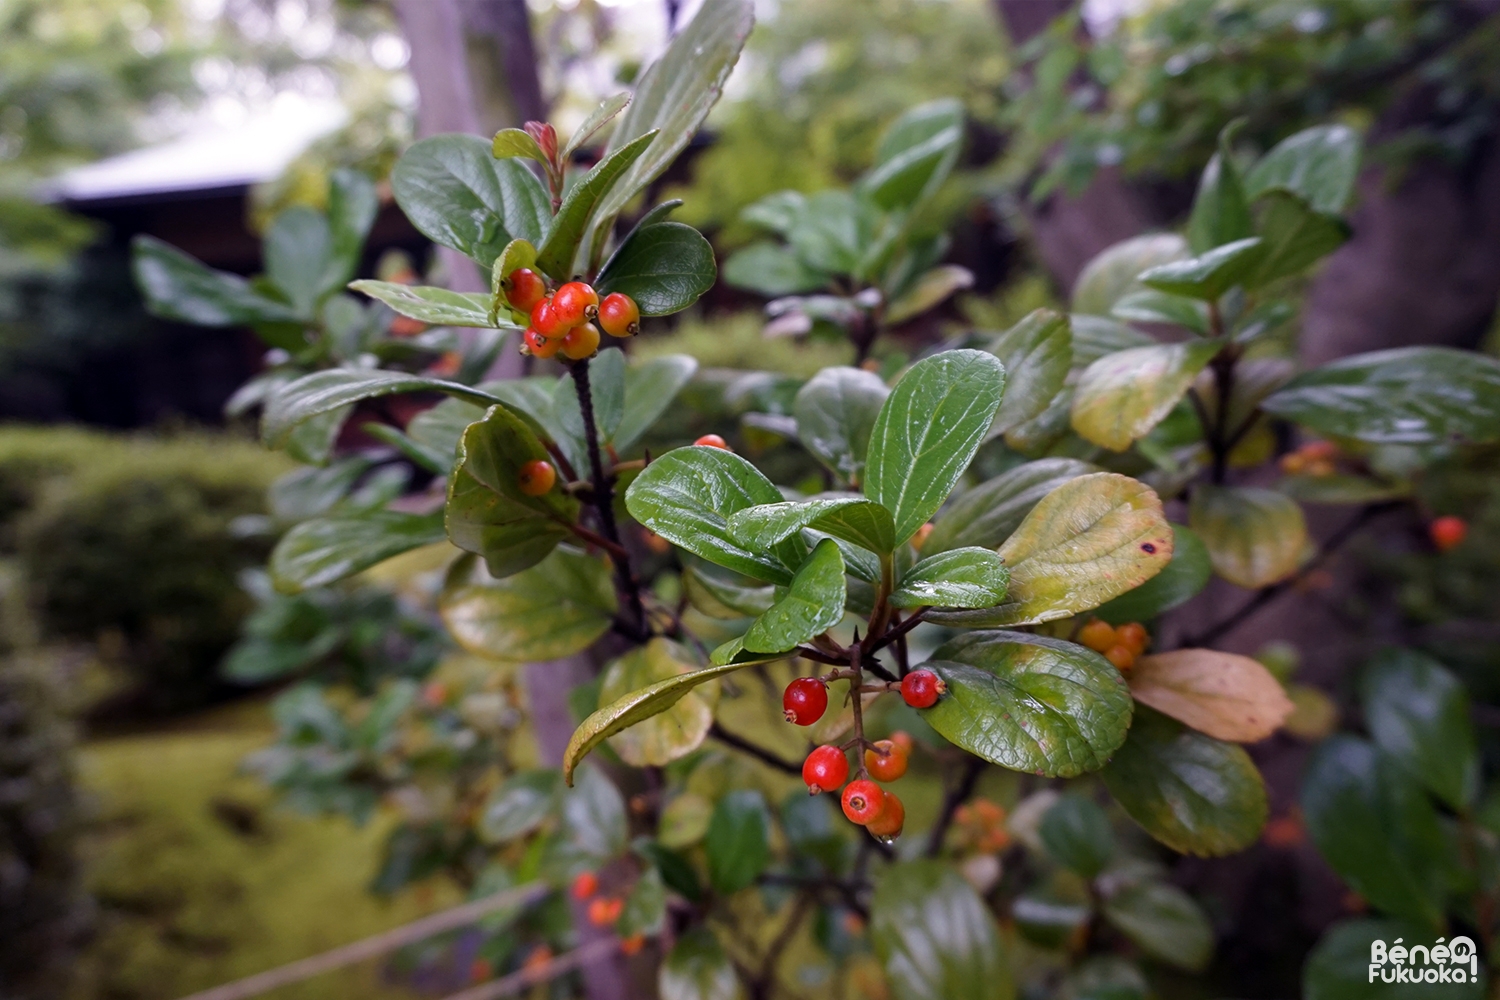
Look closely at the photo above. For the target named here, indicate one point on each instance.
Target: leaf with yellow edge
(1123, 395)
(1091, 539)
(1227, 696)
(668, 735)
(637, 706)
(1255, 537)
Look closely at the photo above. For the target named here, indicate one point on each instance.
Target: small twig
(760, 753)
(964, 788)
(900, 630)
(761, 986)
(594, 538)
(818, 656)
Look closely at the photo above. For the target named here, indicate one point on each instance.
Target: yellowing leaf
(1255, 537)
(1123, 395)
(1227, 696)
(668, 735)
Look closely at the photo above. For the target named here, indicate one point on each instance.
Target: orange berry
(605, 910)
(889, 767)
(633, 944)
(572, 303)
(863, 800)
(1097, 635)
(537, 477)
(713, 441)
(544, 320)
(988, 813)
(903, 740)
(581, 342)
(1134, 637)
(538, 346)
(1120, 656)
(524, 288)
(887, 826)
(585, 885)
(619, 316)
(1448, 532)
(921, 536)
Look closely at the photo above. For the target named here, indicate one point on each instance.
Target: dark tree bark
(503, 53)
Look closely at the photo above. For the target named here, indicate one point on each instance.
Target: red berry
(713, 441)
(619, 316)
(544, 320)
(1133, 636)
(921, 688)
(581, 342)
(825, 769)
(585, 885)
(887, 826)
(863, 801)
(572, 302)
(805, 700)
(524, 288)
(1120, 656)
(888, 767)
(605, 910)
(903, 740)
(632, 944)
(1448, 532)
(538, 346)
(537, 478)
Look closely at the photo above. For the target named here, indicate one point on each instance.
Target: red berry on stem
(524, 288)
(619, 316)
(887, 826)
(537, 478)
(581, 342)
(572, 302)
(825, 769)
(539, 346)
(713, 441)
(544, 320)
(863, 801)
(888, 767)
(1448, 532)
(921, 688)
(805, 700)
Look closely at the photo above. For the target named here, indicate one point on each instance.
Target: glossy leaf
(813, 604)
(326, 391)
(557, 608)
(298, 248)
(1221, 210)
(597, 119)
(646, 907)
(1164, 922)
(725, 599)
(437, 306)
(1089, 540)
(663, 267)
(1294, 237)
(738, 843)
(1151, 305)
(915, 155)
(852, 518)
(555, 253)
(1029, 703)
(958, 578)
(179, 288)
(593, 818)
(520, 805)
(667, 735)
(352, 207)
(1254, 537)
(1182, 579)
(1112, 273)
(1120, 397)
(637, 706)
(989, 513)
(834, 231)
(493, 451)
(1077, 833)
(510, 536)
(1409, 395)
(772, 270)
(687, 497)
(1377, 828)
(934, 287)
(697, 969)
(1037, 353)
(927, 433)
(1228, 696)
(1210, 274)
(1418, 713)
(459, 196)
(1318, 164)
(650, 388)
(516, 142)
(439, 428)
(935, 936)
(1195, 794)
(835, 413)
(321, 551)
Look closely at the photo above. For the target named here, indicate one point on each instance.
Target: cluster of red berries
(980, 826)
(564, 321)
(1448, 532)
(1121, 646)
(603, 911)
(1316, 458)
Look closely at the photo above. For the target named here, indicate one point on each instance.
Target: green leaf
(1164, 922)
(439, 428)
(1418, 713)
(1077, 833)
(1317, 164)
(778, 211)
(597, 119)
(667, 735)
(772, 270)
(1195, 794)
(423, 457)
(932, 288)
(324, 550)
(311, 441)
(1254, 537)
(1037, 353)
(557, 608)
(834, 231)
(1054, 913)
(437, 306)
(517, 254)
(738, 842)
(927, 433)
(1120, 397)
(835, 414)
(556, 252)
(593, 817)
(675, 93)
(517, 142)
(684, 820)
(935, 936)
(634, 707)
(1221, 211)
(649, 389)
(646, 907)
(1112, 273)
(1294, 235)
(326, 391)
(812, 604)
(697, 968)
(1376, 827)
(1409, 395)
(1150, 305)
(519, 806)
(1029, 702)
(987, 515)
(1178, 582)
(915, 154)
(687, 497)
(1089, 540)
(177, 287)
(852, 518)
(494, 449)
(959, 578)
(352, 207)
(663, 267)
(510, 536)
(459, 196)
(722, 598)
(1339, 966)
(298, 250)
(1210, 274)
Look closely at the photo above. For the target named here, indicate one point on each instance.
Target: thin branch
(761, 986)
(893, 634)
(964, 788)
(760, 753)
(818, 656)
